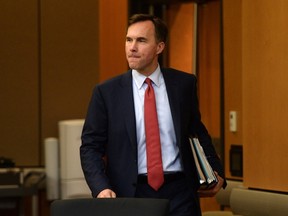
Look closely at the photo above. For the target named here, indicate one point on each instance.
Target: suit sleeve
(94, 139)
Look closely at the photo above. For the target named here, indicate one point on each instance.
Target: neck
(148, 71)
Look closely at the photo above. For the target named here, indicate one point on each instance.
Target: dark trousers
(183, 201)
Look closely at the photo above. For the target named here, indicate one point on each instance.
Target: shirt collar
(140, 78)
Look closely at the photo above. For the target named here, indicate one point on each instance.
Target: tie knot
(148, 81)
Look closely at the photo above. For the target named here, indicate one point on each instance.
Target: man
(113, 152)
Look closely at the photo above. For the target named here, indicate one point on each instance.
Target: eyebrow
(138, 38)
(141, 38)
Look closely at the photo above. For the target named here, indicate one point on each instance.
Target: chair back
(258, 203)
(223, 196)
(110, 207)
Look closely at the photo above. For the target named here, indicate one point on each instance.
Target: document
(207, 177)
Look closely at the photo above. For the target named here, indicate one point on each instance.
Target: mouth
(133, 56)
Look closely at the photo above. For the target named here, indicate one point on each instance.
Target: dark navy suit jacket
(110, 132)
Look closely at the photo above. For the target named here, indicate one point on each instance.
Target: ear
(160, 47)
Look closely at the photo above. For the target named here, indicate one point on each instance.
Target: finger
(110, 195)
(107, 193)
(113, 195)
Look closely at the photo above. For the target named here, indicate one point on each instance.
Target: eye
(128, 39)
(142, 40)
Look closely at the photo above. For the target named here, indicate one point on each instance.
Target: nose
(133, 46)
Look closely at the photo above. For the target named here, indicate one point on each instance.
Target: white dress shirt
(169, 149)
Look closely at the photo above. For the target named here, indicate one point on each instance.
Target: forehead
(141, 29)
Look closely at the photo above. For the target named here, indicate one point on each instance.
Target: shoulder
(119, 80)
(126, 76)
(114, 86)
(171, 73)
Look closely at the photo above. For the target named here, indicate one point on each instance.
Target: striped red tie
(153, 146)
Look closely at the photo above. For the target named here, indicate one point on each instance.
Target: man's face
(141, 47)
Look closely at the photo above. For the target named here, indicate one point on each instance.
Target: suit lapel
(128, 109)
(173, 96)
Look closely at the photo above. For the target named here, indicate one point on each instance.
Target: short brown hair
(161, 30)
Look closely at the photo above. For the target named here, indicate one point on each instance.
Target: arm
(94, 139)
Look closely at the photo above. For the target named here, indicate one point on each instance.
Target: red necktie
(153, 146)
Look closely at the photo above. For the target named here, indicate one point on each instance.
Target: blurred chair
(247, 202)
(217, 213)
(223, 196)
(223, 199)
(110, 207)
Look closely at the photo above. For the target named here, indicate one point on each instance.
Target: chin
(133, 66)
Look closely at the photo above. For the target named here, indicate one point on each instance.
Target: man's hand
(212, 191)
(107, 193)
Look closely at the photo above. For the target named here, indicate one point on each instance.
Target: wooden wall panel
(208, 72)
(77, 53)
(208, 60)
(181, 36)
(19, 107)
(265, 98)
(255, 46)
(69, 60)
(232, 36)
(52, 55)
(113, 19)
